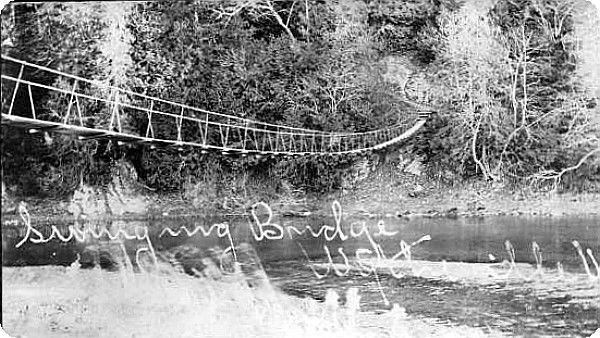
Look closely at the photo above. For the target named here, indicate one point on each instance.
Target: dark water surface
(540, 306)
(548, 305)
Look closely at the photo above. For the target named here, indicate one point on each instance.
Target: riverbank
(369, 189)
(371, 199)
(471, 200)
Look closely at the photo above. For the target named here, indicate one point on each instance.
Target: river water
(558, 298)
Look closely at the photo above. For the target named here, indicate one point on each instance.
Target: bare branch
(259, 8)
(287, 22)
(556, 176)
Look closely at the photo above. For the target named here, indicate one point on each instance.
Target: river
(558, 298)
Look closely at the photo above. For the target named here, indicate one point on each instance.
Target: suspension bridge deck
(90, 110)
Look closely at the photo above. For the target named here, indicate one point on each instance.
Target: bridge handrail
(280, 128)
(198, 120)
(180, 105)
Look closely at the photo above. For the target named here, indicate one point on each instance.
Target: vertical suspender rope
(12, 101)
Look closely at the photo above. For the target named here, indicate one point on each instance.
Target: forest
(513, 84)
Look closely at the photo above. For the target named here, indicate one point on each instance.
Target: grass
(71, 302)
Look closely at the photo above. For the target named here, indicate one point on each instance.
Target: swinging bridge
(78, 102)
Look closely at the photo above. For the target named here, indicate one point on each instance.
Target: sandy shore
(70, 302)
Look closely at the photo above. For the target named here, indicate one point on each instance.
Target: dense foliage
(68, 38)
(521, 109)
(514, 98)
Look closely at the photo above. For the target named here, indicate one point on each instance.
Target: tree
(546, 94)
(260, 9)
(466, 75)
(402, 26)
(80, 39)
(509, 72)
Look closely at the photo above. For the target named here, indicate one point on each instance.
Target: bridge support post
(149, 128)
(12, 101)
(31, 102)
(66, 119)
